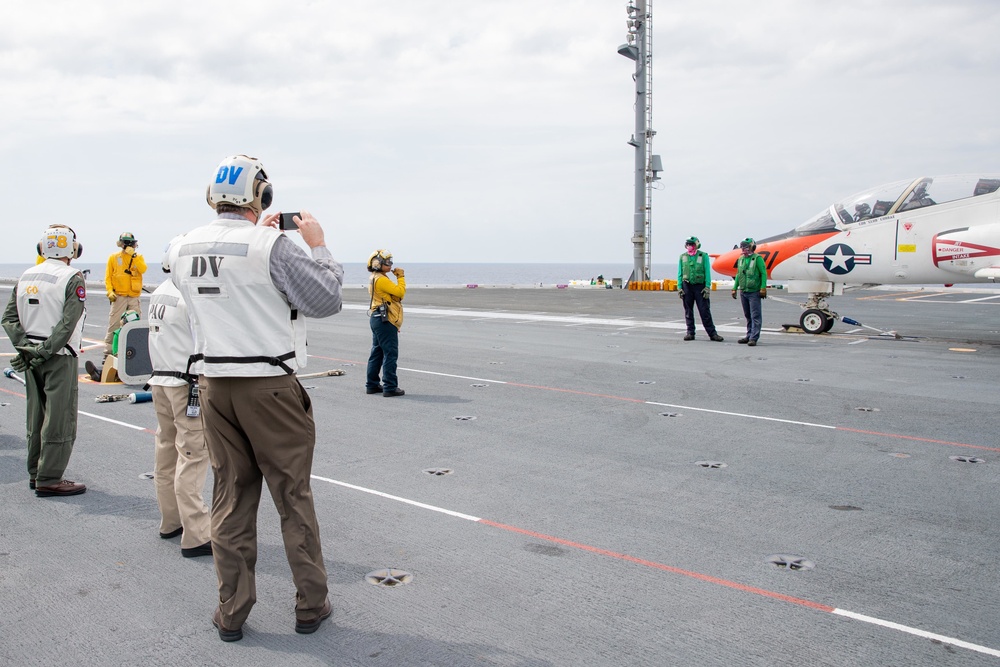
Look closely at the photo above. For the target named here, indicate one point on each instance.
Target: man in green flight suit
(694, 283)
(44, 321)
(751, 283)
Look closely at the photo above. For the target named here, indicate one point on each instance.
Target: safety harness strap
(42, 339)
(273, 361)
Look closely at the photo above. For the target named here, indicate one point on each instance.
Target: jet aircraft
(923, 231)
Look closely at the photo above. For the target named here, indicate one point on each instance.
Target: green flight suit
(51, 389)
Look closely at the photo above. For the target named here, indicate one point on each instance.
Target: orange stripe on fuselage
(774, 252)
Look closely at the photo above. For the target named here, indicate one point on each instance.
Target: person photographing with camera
(385, 317)
(248, 289)
(123, 280)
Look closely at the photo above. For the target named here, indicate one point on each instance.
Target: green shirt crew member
(694, 279)
(751, 283)
(44, 321)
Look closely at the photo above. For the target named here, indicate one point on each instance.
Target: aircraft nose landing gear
(817, 317)
(816, 321)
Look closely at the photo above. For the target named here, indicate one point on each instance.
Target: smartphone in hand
(286, 221)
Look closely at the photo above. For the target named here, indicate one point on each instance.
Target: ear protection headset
(129, 316)
(56, 243)
(748, 243)
(128, 238)
(378, 259)
(693, 241)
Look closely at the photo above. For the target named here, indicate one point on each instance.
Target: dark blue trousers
(385, 351)
(751, 310)
(692, 296)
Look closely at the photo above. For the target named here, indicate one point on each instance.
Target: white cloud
(496, 129)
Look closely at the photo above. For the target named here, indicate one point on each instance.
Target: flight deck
(567, 482)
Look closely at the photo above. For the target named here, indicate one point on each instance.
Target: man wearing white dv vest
(181, 456)
(248, 289)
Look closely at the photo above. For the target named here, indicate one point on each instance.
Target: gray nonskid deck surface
(601, 541)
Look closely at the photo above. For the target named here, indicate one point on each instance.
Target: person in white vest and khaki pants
(181, 456)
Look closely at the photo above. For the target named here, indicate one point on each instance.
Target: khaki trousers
(118, 308)
(51, 390)
(260, 429)
(181, 466)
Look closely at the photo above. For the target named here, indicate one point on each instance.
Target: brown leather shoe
(309, 626)
(62, 488)
(225, 634)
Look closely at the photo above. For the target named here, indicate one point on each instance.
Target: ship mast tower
(639, 48)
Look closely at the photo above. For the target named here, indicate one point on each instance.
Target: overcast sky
(487, 131)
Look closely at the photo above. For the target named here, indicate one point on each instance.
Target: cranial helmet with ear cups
(167, 254)
(59, 241)
(748, 243)
(241, 181)
(378, 259)
(693, 241)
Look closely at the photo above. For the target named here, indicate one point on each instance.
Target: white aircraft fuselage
(924, 231)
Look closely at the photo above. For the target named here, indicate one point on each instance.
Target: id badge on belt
(193, 406)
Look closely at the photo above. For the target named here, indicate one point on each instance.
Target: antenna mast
(647, 166)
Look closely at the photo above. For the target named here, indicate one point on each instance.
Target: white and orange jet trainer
(944, 229)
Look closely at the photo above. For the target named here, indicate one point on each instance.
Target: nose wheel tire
(815, 321)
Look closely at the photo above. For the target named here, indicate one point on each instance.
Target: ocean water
(435, 274)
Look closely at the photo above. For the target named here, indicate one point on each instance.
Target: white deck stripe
(449, 375)
(982, 298)
(113, 421)
(467, 517)
(523, 318)
(919, 633)
(739, 414)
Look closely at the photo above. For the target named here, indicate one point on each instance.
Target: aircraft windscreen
(878, 201)
(821, 222)
(944, 189)
(872, 203)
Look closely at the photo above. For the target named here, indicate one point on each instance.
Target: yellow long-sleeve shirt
(122, 283)
(383, 290)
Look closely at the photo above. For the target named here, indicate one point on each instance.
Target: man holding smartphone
(248, 289)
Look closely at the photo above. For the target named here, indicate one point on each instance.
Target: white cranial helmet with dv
(241, 181)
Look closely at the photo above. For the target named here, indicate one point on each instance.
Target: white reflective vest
(243, 326)
(41, 295)
(171, 342)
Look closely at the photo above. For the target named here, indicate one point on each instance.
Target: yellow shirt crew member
(123, 279)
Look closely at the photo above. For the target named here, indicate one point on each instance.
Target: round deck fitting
(388, 577)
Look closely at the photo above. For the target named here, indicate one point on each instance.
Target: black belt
(43, 339)
(187, 377)
(272, 361)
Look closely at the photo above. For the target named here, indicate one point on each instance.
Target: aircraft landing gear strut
(817, 317)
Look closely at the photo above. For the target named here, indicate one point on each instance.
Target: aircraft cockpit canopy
(897, 197)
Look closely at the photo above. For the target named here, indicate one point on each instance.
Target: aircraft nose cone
(725, 263)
